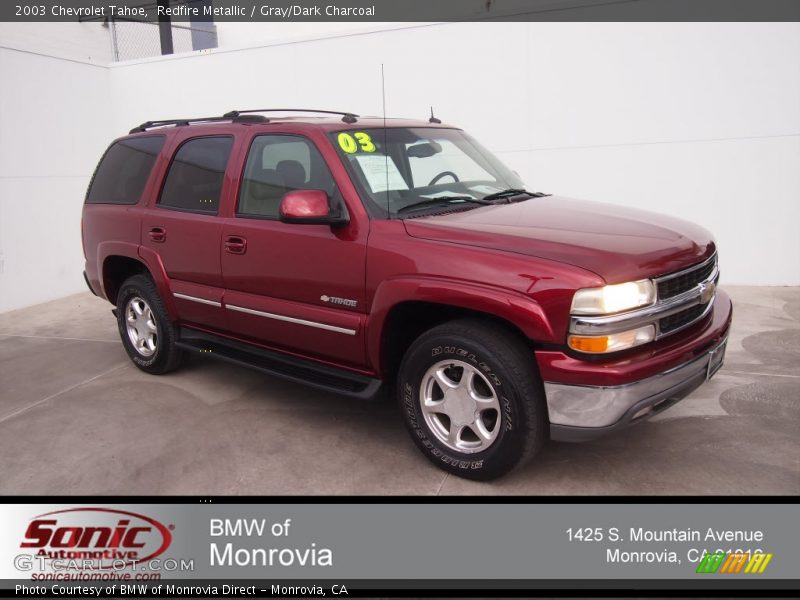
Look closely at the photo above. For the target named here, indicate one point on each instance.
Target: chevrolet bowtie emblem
(707, 292)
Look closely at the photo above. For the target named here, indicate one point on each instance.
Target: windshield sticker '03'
(359, 141)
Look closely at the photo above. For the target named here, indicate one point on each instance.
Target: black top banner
(401, 11)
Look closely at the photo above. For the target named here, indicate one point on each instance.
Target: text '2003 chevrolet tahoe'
(347, 253)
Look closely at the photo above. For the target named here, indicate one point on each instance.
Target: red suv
(347, 253)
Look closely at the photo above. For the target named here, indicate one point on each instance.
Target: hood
(617, 243)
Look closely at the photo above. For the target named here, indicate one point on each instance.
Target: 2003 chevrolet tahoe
(347, 253)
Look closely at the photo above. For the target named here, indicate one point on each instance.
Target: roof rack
(347, 117)
(182, 122)
(240, 116)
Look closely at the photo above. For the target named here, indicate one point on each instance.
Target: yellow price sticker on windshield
(353, 143)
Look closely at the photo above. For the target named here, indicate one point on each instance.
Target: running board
(313, 374)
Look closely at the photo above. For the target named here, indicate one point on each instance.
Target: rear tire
(472, 399)
(146, 331)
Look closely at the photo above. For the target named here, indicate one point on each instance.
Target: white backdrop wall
(55, 121)
(700, 121)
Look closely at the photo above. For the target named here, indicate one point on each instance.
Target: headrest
(293, 172)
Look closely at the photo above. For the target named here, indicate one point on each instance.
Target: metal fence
(131, 39)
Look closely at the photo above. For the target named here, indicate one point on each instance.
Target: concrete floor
(76, 417)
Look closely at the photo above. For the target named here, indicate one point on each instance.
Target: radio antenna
(385, 140)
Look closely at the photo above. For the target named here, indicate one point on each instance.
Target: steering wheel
(444, 174)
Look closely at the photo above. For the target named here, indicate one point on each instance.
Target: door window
(277, 164)
(194, 181)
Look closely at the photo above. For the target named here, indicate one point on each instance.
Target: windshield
(395, 168)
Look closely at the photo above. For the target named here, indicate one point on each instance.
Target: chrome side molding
(198, 300)
(259, 313)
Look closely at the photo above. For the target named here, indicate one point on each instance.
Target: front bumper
(584, 411)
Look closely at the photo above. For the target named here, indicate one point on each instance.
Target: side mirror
(310, 207)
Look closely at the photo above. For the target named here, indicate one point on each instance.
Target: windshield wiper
(487, 200)
(512, 192)
(443, 200)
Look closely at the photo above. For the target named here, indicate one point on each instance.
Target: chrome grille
(683, 281)
(681, 319)
(683, 299)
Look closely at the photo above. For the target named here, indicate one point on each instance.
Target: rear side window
(194, 181)
(123, 171)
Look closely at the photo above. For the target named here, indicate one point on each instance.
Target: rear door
(183, 227)
(299, 288)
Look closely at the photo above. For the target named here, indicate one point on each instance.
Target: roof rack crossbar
(347, 117)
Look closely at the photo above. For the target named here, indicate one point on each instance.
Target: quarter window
(123, 171)
(277, 164)
(194, 181)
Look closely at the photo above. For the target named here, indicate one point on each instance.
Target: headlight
(614, 342)
(613, 298)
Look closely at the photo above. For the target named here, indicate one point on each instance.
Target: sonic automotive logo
(110, 538)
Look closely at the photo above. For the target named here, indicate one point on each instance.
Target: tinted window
(123, 171)
(194, 181)
(277, 164)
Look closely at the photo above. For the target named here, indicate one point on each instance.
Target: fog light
(599, 344)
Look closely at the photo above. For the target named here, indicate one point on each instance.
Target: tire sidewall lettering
(410, 405)
(467, 356)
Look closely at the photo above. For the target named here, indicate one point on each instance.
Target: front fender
(514, 307)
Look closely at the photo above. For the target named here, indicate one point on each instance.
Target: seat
(293, 173)
(262, 193)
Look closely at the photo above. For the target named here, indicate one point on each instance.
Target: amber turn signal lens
(613, 342)
(588, 344)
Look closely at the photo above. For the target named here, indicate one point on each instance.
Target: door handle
(235, 244)
(158, 234)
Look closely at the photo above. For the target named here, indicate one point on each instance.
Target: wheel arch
(120, 261)
(116, 269)
(403, 309)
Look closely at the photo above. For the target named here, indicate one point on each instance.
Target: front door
(298, 288)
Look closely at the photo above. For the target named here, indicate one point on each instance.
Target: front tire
(472, 399)
(145, 328)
